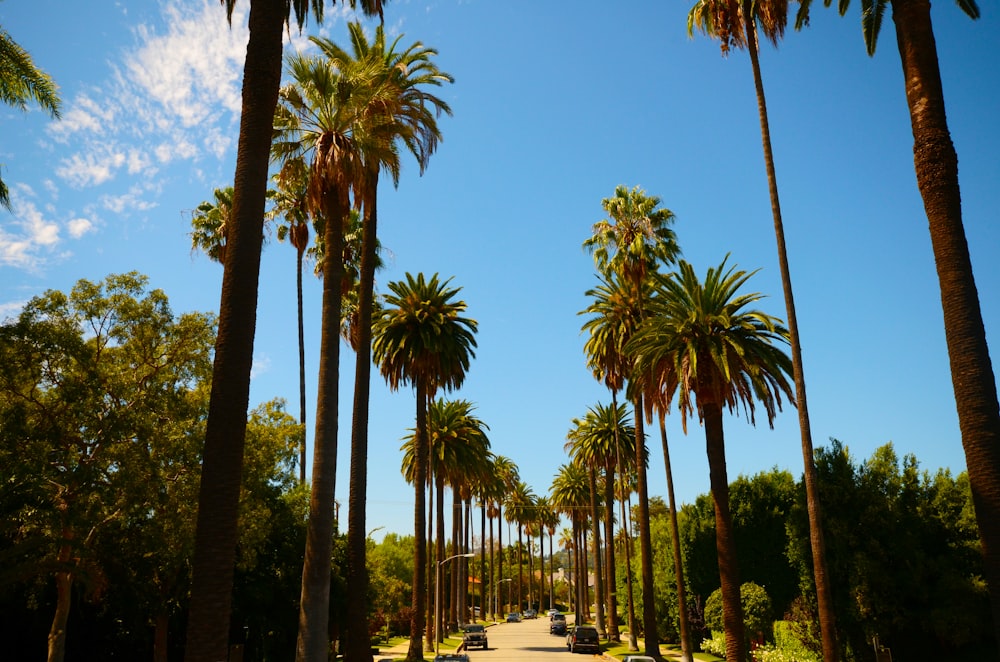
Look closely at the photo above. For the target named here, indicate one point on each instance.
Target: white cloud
(79, 227)
(260, 366)
(29, 238)
(11, 309)
(173, 98)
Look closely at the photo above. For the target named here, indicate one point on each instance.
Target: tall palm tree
(570, 493)
(329, 138)
(422, 339)
(210, 224)
(520, 503)
(401, 111)
(225, 433)
(936, 164)
(507, 475)
(584, 447)
(288, 201)
(634, 244)
(21, 82)
(723, 355)
(737, 24)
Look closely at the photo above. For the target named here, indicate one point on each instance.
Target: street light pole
(437, 599)
(496, 597)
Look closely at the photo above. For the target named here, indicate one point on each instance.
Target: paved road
(527, 640)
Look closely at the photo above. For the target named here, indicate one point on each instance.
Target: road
(526, 640)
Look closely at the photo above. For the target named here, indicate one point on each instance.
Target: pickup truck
(474, 635)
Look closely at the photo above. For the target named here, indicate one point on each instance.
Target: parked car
(474, 636)
(637, 658)
(451, 657)
(557, 624)
(513, 617)
(530, 613)
(583, 638)
(551, 612)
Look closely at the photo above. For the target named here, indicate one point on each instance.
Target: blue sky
(554, 105)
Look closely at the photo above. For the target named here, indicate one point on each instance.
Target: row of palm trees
(936, 166)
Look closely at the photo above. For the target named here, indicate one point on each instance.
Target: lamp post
(496, 597)
(437, 599)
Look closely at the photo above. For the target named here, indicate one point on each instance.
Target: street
(525, 641)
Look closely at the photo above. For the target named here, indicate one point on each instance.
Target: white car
(637, 658)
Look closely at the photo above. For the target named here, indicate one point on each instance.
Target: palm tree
(616, 311)
(289, 202)
(422, 339)
(936, 165)
(520, 503)
(400, 110)
(737, 24)
(210, 225)
(634, 244)
(723, 355)
(584, 448)
(22, 82)
(225, 432)
(570, 493)
(328, 138)
(507, 476)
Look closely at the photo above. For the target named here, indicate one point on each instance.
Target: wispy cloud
(176, 97)
(29, 237)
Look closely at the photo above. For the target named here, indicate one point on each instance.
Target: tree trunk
(686, 653)
(314, 609)
(358, 647)
(649, 633)
(161, 631)
(439, 554)
(595, 521)
(609, 552)
(222, 465)
(824, 598)
(972, 376)
(417, 622)
(64, 597)
(725, 544)
(302, 362)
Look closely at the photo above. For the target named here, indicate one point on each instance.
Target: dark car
(475, 635)
(513, 617)
(557, 624)
(583, 638)
(451, 657)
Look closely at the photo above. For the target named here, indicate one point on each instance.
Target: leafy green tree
(936, 165)
(757, 611)
(904, 556)
(390, 566)
(421, 338)
(96, 378)
(723, 354)
(21, 83)
(217, 532)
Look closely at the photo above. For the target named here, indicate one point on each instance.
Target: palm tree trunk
(520, 569)
(686, 653)
(302, 363)
(725, 544)
(314, 608)
(432, 626)
(649, 633)
(483, 577)
(609, 552)
(222, 465)
(595, 517)
(499, 544)
(358, 647)
(417, 623)
(633, 644)
(972, 376)
(824, 598)
(439, 555)
(552, 563)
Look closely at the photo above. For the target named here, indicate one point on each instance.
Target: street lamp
(496, 597)
(437, 599)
